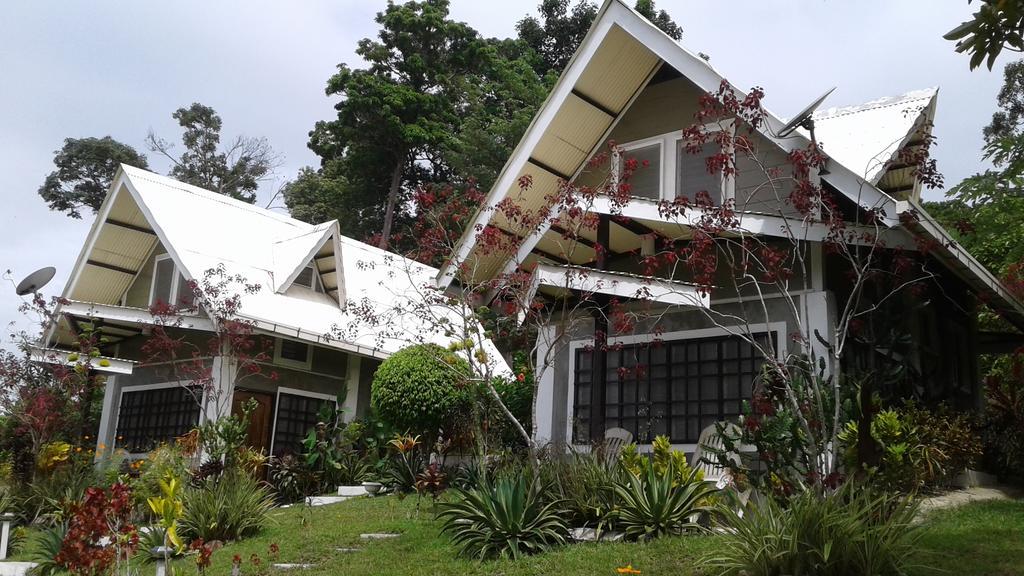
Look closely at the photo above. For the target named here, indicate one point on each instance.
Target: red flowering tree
(724, 248)
(101, 538)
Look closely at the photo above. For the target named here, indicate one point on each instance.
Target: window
(645, 181)
(297, 413)
(169, 285)
(293, 353)
(671, 171)
(674, 388)
(310, 278)
(148, 417)
(692, 174)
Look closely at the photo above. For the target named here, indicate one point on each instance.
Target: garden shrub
(920, 449)
(1002, 422)
(854, 530)
(231, 507)
(662, 460)
(657, 503)
(585, 485)
(503, 518)
(418, 389)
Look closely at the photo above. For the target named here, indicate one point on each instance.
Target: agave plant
(505, 518)
(655, 503)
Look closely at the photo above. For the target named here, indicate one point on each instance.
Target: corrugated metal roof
(202, 230)
(863, 138)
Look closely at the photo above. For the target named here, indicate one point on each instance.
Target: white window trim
(288, 362)
(142, 388)
(668, 143)
(778, 329)
(176, 276)
(294, 392)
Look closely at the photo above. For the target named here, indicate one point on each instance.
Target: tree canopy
(438, 105)
(235, 170)
(85, 168)
(997, 25)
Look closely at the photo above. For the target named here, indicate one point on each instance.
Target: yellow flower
(627, 569)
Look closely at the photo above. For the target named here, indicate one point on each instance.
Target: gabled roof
(619, 55)
(866, 137)
(202, 230)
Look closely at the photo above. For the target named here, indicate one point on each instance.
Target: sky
(105, 67)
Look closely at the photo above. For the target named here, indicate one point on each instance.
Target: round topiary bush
(418, 389)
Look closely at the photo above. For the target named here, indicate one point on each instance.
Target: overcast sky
(78, 69)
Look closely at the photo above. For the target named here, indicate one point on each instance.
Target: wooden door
(260, 421)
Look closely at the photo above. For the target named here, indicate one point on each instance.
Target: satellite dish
(36, 280)
(803, 119)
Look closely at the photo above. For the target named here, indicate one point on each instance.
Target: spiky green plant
(43, 547)
(852, 531)
(506, 518)
(657, 503)
(226, 508)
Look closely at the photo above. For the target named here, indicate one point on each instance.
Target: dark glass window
(674, 388)
(148, 417)
(296, 416)
(294, 351)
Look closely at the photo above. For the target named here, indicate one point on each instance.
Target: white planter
(372, 488)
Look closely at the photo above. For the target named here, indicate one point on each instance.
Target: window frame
(176, 278)
(146, 388)
(288, 362)
(776, 329)
(669, 143)
(294, 392)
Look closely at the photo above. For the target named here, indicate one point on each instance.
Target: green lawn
(980, 538)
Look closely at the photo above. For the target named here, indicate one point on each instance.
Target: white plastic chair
(714, 472)
(614, 440)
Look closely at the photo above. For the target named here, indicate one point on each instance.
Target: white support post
(546, 337)
(217, 403)
(105, 438)
(5, 534)
(351, 404)
(818, 318)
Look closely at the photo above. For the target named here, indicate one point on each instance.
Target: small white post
(5, 535)
(160, 552)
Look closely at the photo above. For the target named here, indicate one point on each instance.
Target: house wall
(333, 373)
(555, 386)
(763, 177)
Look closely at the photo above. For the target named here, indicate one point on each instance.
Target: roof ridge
(134, 172)
(882, 102)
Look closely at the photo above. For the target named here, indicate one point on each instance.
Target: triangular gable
(866, 138)
(617, 58)
(319, 246)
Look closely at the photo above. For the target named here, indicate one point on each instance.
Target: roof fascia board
(56, 356)
(534, 132)
(131, 315)
(339, 264)
(939, 234)
(120, 178)
(626, 286)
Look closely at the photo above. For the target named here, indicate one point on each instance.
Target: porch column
(352, 383)
(600, 355)
(818, 318)
(217, 401)
(108, 418)
(543, 431)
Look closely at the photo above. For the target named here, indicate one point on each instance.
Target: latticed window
(674, 388)
(148, 417)
(296, 416)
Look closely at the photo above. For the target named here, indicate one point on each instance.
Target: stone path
(960, 497)
(379, 536)
(15, 568)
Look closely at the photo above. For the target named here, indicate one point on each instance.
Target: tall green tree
(235, 170)
(85, 168)
(394, 116)
(986, 210)
(560, 26)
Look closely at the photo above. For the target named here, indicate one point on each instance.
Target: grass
(977, 538)
(981, 538)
